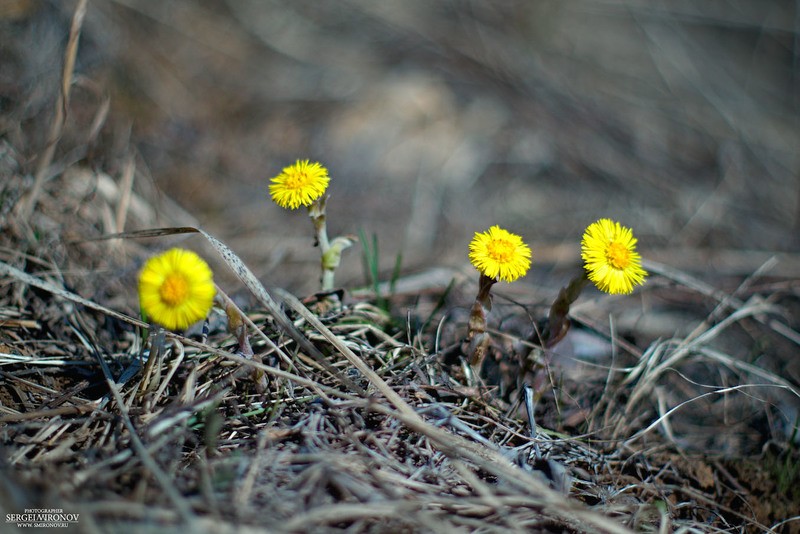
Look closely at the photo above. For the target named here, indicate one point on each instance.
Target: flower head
(498, 253)
(610, 258)
(299, 184)
(176, 288)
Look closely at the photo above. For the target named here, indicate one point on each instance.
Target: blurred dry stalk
(28, 202)
(676, 410)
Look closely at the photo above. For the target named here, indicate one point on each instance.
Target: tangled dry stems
(167, 430)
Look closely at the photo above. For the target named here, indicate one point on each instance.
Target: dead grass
(676, 410)
(187, 438)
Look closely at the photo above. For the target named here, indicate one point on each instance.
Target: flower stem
(331, 250)
(316, 211)
(558, 319)
(477, 336)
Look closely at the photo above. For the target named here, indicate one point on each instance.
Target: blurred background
(439, 118)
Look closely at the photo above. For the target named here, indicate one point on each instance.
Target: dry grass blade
(126, 190)
(27, 204)
(652, 371)
(720, 391)
(720, 296)
(30, 280)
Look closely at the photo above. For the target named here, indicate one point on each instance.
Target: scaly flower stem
(316, 211)
(477, 336)
(331, 250)
(558, 319)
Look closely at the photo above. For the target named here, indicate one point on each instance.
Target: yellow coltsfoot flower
(299, 184)
(176, 289)
(498, 253)
(610, 258)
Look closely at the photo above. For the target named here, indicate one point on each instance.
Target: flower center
(618, 255)
(297, 180)
(501, 250)
(174, 290)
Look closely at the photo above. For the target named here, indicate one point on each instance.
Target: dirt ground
(437, 119)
